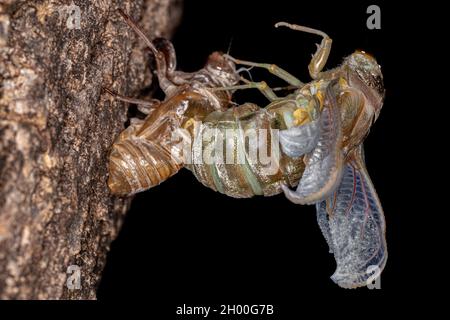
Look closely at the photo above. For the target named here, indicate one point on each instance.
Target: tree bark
(56, 128)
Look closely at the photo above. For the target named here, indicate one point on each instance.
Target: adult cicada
(312, 138)
(331, 145)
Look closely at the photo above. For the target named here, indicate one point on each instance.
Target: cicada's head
(222, 70)
(365, 75)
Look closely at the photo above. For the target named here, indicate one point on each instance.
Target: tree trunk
(57, 217)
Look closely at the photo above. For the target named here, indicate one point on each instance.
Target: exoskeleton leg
(272, 68)
(261, 86)
(175, 76)
(144, 106)
(161, 64)
(320, 57)
(289, 87)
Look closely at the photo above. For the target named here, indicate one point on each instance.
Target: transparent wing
(322, 220)
(353, 224)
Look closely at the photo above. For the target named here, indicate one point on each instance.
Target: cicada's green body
(244, 146)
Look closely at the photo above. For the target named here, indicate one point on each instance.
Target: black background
(183, 243)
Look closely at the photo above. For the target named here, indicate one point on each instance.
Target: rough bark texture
(56, 127)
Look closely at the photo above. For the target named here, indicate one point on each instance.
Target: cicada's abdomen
(237, 153)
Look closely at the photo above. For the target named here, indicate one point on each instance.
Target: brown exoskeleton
(143, 154)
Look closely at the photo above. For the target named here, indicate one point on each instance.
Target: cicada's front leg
(163, 52)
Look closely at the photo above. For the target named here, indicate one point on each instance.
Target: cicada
(314, 136)
(335, 179)
(151, 150)
(144, 154)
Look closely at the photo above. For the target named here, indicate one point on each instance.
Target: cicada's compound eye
(367, 70)
(223, 69)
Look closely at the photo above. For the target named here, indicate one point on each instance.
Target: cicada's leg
(144, 106)
(147, 109)
(285, 88)
(261, 86)
(161, 64)
(175, 76)
(272, 68)
(320, 57)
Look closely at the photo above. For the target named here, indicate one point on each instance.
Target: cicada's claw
(272, 68)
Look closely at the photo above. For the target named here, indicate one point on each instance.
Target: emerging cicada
(320, 128)
(349, 212)
(151, 150)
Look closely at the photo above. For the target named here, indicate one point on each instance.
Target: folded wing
(324, 163)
